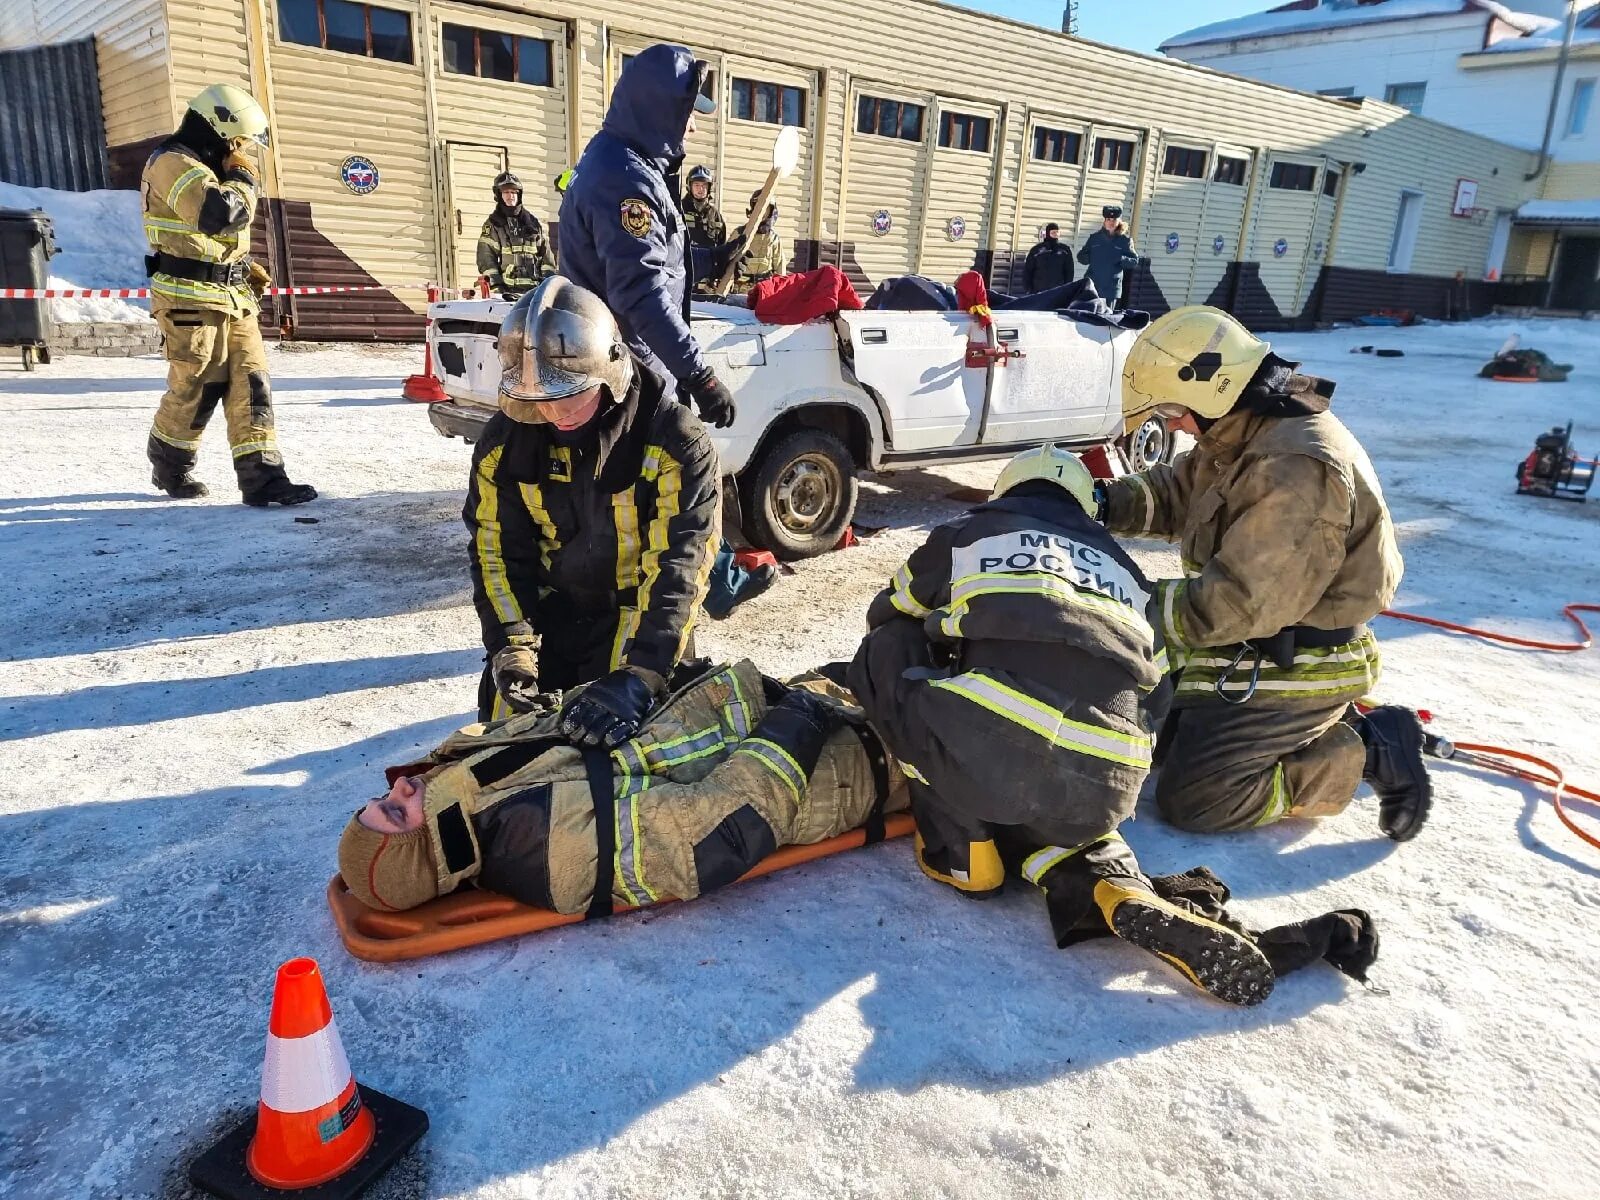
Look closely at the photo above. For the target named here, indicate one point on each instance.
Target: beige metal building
(935, 139)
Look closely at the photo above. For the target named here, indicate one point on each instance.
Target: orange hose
(1570, 612)
(1556, 781)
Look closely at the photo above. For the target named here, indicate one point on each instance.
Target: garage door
(758, 100)
(1283, 228)
(1175, 214)
(1052, 185)
(1110, 177)
(490, 65)
(1221, 223)
(960, 207)
(887, 155)
(1329, 193)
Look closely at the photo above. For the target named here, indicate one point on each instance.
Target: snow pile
(100, 244)
(1326, 16)
(194, 697)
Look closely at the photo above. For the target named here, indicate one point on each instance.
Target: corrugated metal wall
(51, 132)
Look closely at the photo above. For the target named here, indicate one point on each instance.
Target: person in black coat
(1049, 264)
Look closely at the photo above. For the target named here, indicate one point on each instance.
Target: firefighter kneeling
(1288, 552)
(199, 199)
(1014, 670)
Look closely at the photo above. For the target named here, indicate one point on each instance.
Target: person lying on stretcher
(730, 767)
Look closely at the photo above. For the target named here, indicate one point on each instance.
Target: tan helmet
(1195, 359)
(557, 341)
(1053, 464)
(232, 112)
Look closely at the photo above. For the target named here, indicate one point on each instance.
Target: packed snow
(197, 696)
(100, 243)
(1344, 15)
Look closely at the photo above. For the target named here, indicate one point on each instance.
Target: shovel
(785, 154)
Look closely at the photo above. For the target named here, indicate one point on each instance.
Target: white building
(1475, 64)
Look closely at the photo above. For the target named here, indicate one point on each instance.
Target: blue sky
(1136, 24)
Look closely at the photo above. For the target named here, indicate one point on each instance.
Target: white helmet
(232, 112)
(1053, 464)
(557, 341)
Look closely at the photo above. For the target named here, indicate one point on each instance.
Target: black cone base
(221, 1170)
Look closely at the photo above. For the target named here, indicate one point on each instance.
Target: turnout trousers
(1228, 767)
(214, 357)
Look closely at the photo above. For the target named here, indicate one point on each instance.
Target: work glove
(515, 669)
(608, 711)
(712, 398)
(257, 278)
(238, 163)
(506, 294)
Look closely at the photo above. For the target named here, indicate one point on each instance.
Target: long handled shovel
(785, 154)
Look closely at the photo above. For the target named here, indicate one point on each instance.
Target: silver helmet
(557, 341)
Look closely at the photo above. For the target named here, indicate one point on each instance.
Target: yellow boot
(1213, 957)
(983, 877)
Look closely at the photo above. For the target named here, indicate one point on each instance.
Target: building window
(495, 54)
(1337, 93)
(349, 28)
(889, 118)
(1578, 112)
(1330, 183)
(1185, 163)
(963, 131)
(1057, 145)
(771, 103)
(1112, 154)
(1231, 170)
(1293, 177)
(1404, 243)
(1407, 95)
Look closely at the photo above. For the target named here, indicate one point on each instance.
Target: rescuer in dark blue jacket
(622, 228)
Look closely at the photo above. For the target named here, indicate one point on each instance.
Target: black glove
(712, 398)
(1346, 938)
(515, 669)
(608, 711)
(810, 708)
(507, 294)
(728, 253)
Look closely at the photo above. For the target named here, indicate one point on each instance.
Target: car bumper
(453, 419)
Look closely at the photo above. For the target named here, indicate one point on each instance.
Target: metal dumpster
(27, 241)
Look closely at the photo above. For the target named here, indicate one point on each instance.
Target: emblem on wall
(1280, 247)
(1173, 242)
(359, 175)
(882, 222)
(1316, 251)
(1218, 245)
(956, 227)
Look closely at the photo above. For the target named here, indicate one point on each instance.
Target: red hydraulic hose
(1570, 612)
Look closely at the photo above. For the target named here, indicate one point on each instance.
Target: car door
(915, 362)
(1061, 387)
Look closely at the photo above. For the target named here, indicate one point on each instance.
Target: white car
(867, 390)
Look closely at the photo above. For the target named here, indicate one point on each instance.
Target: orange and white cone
(311, 1125)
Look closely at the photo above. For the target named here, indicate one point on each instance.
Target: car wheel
(1148, 445)
(800, 494)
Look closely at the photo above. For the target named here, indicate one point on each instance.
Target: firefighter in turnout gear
(729, 768)
(1014, 671)
(513, 251)
(1288, 551)
(703, 222)
(593, 515)
(763, 257)
(199, 194)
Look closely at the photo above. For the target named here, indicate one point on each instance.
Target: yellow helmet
(1053, 464)
(1196, 358)
(232, 112)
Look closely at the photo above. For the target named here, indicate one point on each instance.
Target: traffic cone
(425, 388)
(316, 1131)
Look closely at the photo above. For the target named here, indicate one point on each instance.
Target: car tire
(1148, 445)
(799, 495)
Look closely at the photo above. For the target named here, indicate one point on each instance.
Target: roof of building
(1586, 33)
(1309, 16)
(1559, 212)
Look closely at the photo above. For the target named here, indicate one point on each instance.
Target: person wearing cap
(592, 513)
(716, 778)
(1288, 552)
(513, 251)
(1107, 253)
(622, 229)
(704, 225)
(1049, 264)
(199, 191)
(764, 257)
(1015, 672)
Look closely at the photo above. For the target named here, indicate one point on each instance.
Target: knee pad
(260, 399)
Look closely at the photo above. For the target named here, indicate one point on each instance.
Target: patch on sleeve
(635, 218)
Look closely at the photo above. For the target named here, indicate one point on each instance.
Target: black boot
(181, 486)
(1395, 769)
(280, 491)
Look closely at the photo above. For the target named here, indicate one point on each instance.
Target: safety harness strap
(597, 766)
(879, 762)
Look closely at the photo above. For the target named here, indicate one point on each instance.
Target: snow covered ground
(194, 697)
(100, 243)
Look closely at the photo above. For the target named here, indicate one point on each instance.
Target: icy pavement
(196, 696)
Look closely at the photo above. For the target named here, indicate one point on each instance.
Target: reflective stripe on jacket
(1281, 522)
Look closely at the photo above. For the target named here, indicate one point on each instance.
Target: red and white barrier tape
(144, 293)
